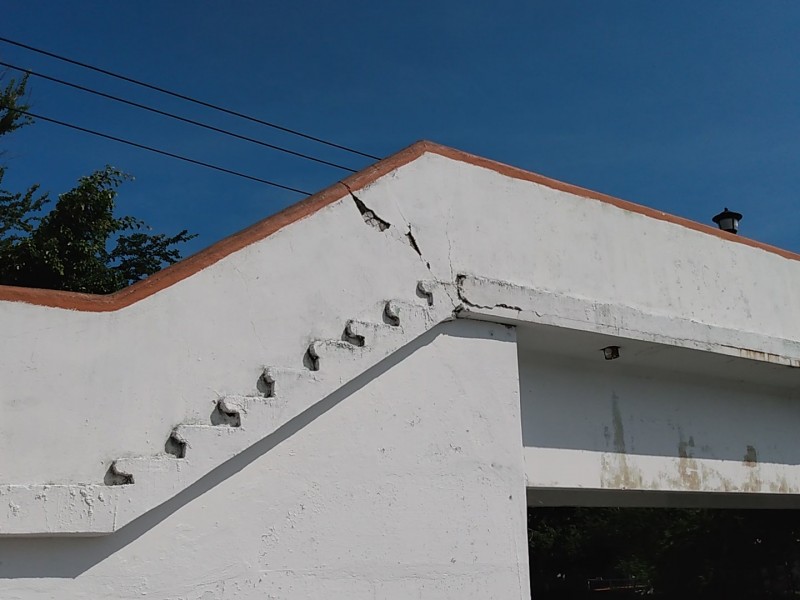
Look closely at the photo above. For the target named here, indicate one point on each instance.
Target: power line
(186, 98)
(158, 151)
(176, 117)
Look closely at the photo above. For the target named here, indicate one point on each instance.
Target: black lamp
(728, 220)
(611, 352)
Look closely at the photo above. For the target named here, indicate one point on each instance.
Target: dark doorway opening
(580, 552)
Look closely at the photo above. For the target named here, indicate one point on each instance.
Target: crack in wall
(461, 296)
(373, 220)
(369, 216)
(413, 242)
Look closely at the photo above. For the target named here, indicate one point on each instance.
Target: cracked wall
(476, 222)
(138, 372)
(125, 379)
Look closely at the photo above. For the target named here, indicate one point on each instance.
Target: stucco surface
(109, 385)
(83, 389)
(115, 384)
(475, 221)
(640, 424)
(408, 482)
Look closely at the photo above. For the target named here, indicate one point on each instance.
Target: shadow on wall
(69, 557)
(607, 406)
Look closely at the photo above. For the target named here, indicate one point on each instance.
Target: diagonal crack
(412, 241)
(373, 220)
(370, 218)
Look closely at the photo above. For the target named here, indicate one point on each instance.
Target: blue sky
(681, 106)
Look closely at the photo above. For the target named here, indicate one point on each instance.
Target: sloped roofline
(308, 206)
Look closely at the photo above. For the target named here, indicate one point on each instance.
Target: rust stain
(780, 487)
(775, 359)
(688, 473)
(616, 473)
(753, 483)
(688, 469)
(692, 474)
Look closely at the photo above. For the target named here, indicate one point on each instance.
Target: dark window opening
(579, 552)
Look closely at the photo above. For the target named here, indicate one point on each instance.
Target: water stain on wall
(616, 423)
(616, 472)
(751, 457)
(688, 472)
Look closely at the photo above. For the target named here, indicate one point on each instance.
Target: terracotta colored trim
(310, 205)
(518, 173)
(205, 258)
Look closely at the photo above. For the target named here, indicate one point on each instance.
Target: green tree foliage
(79, 245)
(665, 553)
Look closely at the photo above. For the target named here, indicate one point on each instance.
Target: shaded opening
(610, 552)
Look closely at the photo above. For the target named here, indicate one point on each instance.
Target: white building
(359, 396)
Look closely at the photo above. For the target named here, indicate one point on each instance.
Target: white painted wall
(475, 221)
(408, 483)
(638, 423)
(109, 385)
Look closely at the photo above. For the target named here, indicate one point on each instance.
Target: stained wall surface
(409, 481)
(110, 385)
(644, 423)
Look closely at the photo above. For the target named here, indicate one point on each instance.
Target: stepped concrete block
(162, 471)
(202, 439)
(284, 383)
(374, 334)
(46, 510)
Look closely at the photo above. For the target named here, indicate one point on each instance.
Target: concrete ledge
(501, 301)
(94, 509)
(561, 468)
(47, 510)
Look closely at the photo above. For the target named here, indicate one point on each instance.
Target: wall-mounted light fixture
(611, 352)
(728, 220)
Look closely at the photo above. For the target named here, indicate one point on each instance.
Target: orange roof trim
(310, 205)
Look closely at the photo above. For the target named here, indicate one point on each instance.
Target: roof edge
(214, 253)
(310, 205)
(517, 173)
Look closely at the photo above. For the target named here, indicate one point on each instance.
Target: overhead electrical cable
(159, 151)
(174, 116)
(186, 98)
